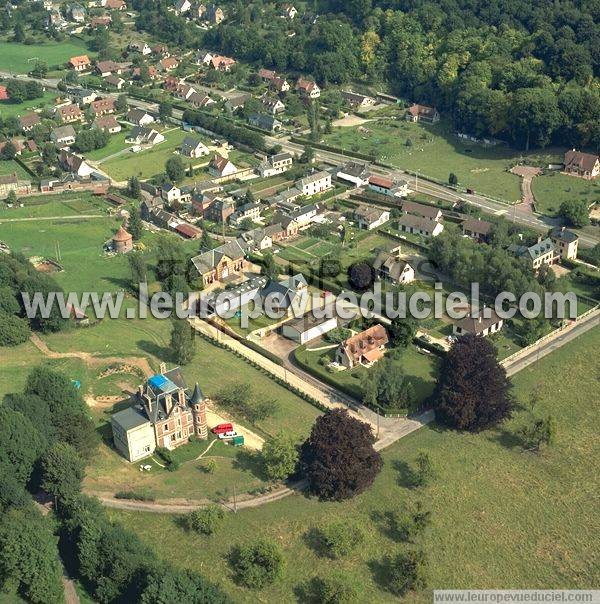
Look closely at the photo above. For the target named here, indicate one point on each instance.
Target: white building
(315, 183)
(307, 328)
(276, 164)
(355, 172)
(388, 187)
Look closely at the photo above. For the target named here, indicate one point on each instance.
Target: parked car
(229, 434)
(222, 428)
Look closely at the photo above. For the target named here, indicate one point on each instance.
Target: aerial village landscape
(298, 157)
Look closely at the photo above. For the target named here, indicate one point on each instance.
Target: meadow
(501, 517)
(20, 58)
(10, 109)
(552, 188)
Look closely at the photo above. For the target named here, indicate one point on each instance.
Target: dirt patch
(527, 174)
(251, 439)
(349, 121)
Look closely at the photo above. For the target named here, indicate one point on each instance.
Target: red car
(222, 428)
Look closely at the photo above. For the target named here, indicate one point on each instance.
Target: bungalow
(70, 113)
(259, 239)
(543, 252)
(288, 11)
(102, 107)
(479, 326)
(144, 136)
(182, 6)
(198, 101)
(147, 70)
(477, 229)
(191, 147)
(161, 50)
(220, 63)
(359, 101)
(364, 348)
(115, 81)
(28, 121)
(80, 63)
(114, 4)
(102, 21)
(106, 68)
(388, 186)
(584, 165)
(308, 327)
(422, 113)
(369, 217)
(237, 102)
(355, 172)
(422, 210)
(272, 104)
(390, 267)
(315, 183)
(280, 84)
(566, 241)
(74, 164)
(221, 263)
(63, 136)
(308, 89)
(168, 64)
(184, 91)
(81, 95)
(276, 164)
(417, 225)
(140, 47)
(203, 57)
(108, 123)
(139, 117)
(266, 75)
(265, 122)
(220, 166)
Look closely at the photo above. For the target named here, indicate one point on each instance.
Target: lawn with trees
(507, 503)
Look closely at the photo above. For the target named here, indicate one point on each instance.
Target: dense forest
(526, 72)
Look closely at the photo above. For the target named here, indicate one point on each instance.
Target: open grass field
(501, 517)
(435, 152)
(146, 163)
(9, 109)
(19, 58)
(551, 189)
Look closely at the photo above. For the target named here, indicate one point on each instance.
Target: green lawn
(20, 58)
(435, 152)
(501, 517)
(551, 189)
(10, 166)
(115, 144)
(8, 109)
(145, 164)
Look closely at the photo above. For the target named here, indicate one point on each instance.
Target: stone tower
(198, 404)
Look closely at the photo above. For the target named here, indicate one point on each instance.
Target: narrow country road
(39, 218)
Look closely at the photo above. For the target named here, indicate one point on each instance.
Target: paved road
(546, 347)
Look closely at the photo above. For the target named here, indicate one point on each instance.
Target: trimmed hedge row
(304, 141)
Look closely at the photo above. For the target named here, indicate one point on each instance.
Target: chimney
(168, 403)
(181, 397)
(162, 368)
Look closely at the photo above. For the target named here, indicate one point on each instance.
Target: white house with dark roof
(567, 242)
(318, 182)
(354, 172)
(192, 147)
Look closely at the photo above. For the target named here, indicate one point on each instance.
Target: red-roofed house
(221, 166)
(115, 4)
(80, 63)
(102, 107)
(308, 88)
(364, 348)
(3, 93)
(581, 164)
(29, 121)
(103, 21)
(169, 63)
(108, 123)
(70, 113)
(221, 63)
(417, 113)
(188, 231)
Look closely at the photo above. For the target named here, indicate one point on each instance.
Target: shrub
(134, 495)
(13, 330)
(258, 564)
(205, 520)
(335, 588)
(407, 572)
(340, 538)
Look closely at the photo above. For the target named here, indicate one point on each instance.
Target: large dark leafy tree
(338, 458)
(174, 585)
(473, 391)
